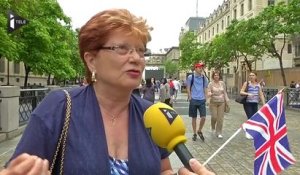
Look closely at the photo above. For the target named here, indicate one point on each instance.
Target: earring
(94, 77)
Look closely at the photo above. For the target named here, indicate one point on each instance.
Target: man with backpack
(197, 91)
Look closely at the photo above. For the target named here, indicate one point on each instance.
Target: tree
(279, 23)
(217, 53)
(189, 48)
(45, 45)
(171, 68)
(8, 45)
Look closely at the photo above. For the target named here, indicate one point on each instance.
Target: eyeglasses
(125, 49)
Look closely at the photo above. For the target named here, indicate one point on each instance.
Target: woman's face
(216, 76)
(121, 62)
(252, 76)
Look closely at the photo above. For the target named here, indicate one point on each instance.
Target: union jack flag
(269, 132)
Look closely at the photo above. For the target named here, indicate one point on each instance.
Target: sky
(167, 17)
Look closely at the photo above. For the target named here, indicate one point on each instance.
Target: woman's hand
(196, 167)
(26, 164)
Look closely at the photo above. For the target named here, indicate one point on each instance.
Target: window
(228, 71)
(234, 14)
(228, 21)
(205, 37)
(242, 9)
(17, 68)
(208, 34)
(17, 80)
(2, 65)
(249, 5)
(1, 80)
(271, 2)
(213, 31)
(222, 25)
(289, 49)
(297, 49)
(217, 28)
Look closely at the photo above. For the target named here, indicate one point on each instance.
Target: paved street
(236, 158)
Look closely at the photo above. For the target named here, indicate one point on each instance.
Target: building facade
(13, 73)
(237, 72)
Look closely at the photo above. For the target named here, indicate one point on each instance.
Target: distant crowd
(167, 89)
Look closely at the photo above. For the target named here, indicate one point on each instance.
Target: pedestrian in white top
(177, 87)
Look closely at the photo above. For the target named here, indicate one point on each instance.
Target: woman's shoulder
(51, 109)
(140, 103)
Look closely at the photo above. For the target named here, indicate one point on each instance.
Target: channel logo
(14, 21)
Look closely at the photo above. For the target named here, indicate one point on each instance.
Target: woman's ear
(89, 58)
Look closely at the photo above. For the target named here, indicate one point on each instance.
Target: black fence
(29, 99)
(291, 96)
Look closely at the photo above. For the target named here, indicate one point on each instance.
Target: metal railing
(292, 96)
(29, 99)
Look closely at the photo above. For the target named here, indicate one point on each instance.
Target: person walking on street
(254, 93)
(218, 97)
(197, 92)
(164, 92)
(148, 91)
(177, 87)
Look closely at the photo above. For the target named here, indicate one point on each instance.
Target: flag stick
(224, 144)
(280, 91)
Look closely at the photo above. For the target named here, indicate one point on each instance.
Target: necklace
(113, 118)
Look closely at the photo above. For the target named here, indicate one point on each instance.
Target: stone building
(13, 73)
(267, 68)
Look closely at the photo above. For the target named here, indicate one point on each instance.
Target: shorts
(197, 105)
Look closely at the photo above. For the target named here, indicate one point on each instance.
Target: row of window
(212, 33)
(2, 80)
(2, 66)
(296, 47)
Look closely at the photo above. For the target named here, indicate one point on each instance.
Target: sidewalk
(237, 157)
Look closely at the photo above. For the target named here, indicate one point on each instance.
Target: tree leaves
(47, 44)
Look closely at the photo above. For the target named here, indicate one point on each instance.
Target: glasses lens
(141, 51)
(122, 49)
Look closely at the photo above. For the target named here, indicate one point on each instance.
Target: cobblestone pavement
(236, 158)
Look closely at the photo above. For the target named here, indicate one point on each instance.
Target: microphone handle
(184, 155)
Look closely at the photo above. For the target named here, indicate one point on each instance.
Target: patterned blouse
(218, 91)
(118, 167)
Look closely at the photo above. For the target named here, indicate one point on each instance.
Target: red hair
(96, 32)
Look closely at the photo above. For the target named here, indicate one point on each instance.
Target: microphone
(167, 130)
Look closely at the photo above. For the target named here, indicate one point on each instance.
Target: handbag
(61, 145)
(226, 108)
(242, 98)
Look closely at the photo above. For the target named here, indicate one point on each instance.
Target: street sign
(14, 21)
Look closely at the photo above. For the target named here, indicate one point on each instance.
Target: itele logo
(169, 114)
(15, 21)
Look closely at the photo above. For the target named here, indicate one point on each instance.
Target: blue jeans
(250, 109)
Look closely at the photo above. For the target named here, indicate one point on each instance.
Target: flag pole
(224, 144)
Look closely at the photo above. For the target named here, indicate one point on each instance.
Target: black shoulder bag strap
(192, 82)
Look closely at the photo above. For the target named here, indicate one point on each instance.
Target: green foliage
(189, 50)
(171, 68)
(279, 21)
(47, 44)
(8, 45)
